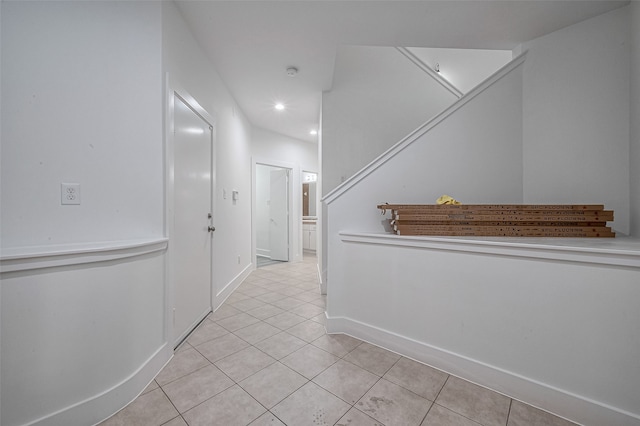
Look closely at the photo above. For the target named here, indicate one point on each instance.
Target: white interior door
(279, 215)
(191, 239)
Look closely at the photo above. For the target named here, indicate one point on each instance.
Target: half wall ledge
(619, 251)
(16, 259)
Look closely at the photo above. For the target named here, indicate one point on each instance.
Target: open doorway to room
(309, 213)
(272, 200)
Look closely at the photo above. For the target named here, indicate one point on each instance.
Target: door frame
(295, 214)
(172, 89)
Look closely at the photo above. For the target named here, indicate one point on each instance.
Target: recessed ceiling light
(279, 107)
(313, 132)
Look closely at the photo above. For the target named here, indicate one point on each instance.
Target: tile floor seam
(509, 411)
(172, 404)
(186, 374)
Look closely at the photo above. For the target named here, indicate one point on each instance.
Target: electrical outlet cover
(70, 193)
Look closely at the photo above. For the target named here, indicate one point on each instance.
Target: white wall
(377, 98)
(429, 164)
(576, 116)
(558, 334)
(634, 158)
(269, 145)
(488, 127)
(76, 108)
(81, 102)
(526, 325)
(188, 66)
(464, 68)
(80, 342)
(0, 206)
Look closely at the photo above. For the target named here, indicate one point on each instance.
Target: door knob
(211, 228)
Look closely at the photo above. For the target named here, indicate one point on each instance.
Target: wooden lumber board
(502, 228)
(604, 232)
(593, 213)
(605, 216)
(476, 207)
(493, 223)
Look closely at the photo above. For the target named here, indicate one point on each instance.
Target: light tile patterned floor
(264, 358)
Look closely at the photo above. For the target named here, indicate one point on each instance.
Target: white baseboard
(232, 286)
(179, 340)
(562, 403)
(322, 279)
(99, 407)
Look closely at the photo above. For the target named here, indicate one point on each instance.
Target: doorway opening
(272, 216)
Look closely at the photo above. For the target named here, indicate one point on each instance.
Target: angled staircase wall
(552, 323)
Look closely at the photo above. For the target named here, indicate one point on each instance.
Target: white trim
(420, 131)
(263, 253)
(182, 337)
(322, 286)
(232, 285)
(430, 71)
(38, 257)
(172, 89)
(620, 251)
(106, 403)
(516, 386)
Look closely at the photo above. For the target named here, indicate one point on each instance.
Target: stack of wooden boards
(500, 220)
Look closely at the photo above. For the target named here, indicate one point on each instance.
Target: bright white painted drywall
(0, 204)
(576, 116)
(81, 102)
(535, 340)
(530, 328)
(75, 109)
(377, 98)
(464, 68)
(480, 138)
(634, 158)
(560, 335)
(74, 336)
(269, 145)
(187, 65)
(473, 154)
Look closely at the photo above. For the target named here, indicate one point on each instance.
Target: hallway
(264, 358)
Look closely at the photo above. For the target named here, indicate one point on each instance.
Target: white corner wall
(377, 98)
(83, 315)
(188, 66)
(576, 116)
(471, 151)
(463, 68)
(634, 158)
(484, 124)
(549, 323)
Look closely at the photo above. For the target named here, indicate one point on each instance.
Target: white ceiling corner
(253, 42)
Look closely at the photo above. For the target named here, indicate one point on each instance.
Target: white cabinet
(309, 236)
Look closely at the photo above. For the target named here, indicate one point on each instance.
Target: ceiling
(251, 43)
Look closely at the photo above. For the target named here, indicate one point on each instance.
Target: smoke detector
(292, 71)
